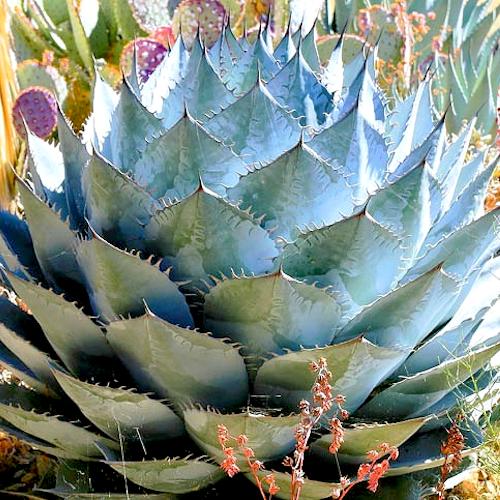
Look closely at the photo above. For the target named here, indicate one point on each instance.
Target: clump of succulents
(243, 212)
(456, 41)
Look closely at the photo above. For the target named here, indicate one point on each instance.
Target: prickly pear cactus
(37, 107)
(149, 54)
(207, 16)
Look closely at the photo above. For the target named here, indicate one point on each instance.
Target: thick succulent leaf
(78, 341)
(183, 365)
(271, 313)
(104, 103)
(296, 190)
(53, 240)
(311, 490)
(111, 496)
(344, 255)
(285, 49)
(132, 124)
(332, 75)
(75, 157)
(451, 164)
(122, 413)
(116, 207)
(16, 247)
(468, 206)
(172, 475)
(241, 75)
(333, 142)
(297, 89)
(270, 437)
(172, 164)
(402, 318)
(21, 335)
(202, 235)
(455, 336)
(309, 50)
(289, 378)
(14, 365)
(469, 171)
(423, 451)
(411, 123)
(256, 127)
(462, 250)
(408, 207)
(360, 439)
(108, 274)
(205, 93)
(412, 396)
(46, 166)
(64, 435)
(166, 76)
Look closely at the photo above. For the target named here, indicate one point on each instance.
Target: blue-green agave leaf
(14, 365)
(404, 317)
(199, 369)
(288, 379)
(203, 90)
(408, 207)
(172, 164)
(361, 438)
(108, 274)
(53, 240)
(411, 123)
(462, 250)
(122, 413)
(22, 340)
(311, 489)
(298, 189)
(98, 126)
(116, 206)
(451, 164)
(131, 126)
(76, 339)
(423, 451)
(172, 475)
(332, 75)
(256, 127)
(344, 254)
(46, 165)
(297, 89)
(467, 326)
(413, 396)
(309, 50)
(202, 235)
(270, 437)
(285, 49)
(241, 76)
(75, 157)
(16, 247)
(467, 207)
(65, 435)
(168, 74)
(271, 313)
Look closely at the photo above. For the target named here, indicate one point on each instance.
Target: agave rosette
(237, 216)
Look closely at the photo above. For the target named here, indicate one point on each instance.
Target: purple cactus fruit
(38, 107)
(150, 53)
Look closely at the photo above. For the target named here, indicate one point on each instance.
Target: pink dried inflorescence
(452, 450)
(37, 106)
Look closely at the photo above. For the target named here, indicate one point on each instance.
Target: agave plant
(455, 40)
(216, 229)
